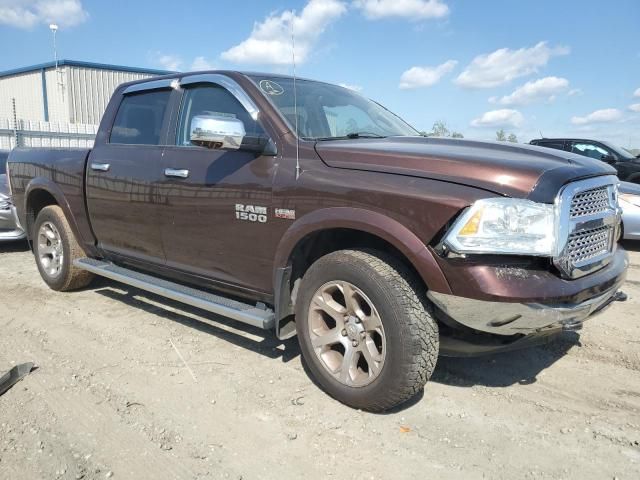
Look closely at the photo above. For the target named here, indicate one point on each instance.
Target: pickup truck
(307, 209)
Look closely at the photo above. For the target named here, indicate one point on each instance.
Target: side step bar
(242, 312)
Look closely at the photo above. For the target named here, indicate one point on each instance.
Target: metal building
(58, 101)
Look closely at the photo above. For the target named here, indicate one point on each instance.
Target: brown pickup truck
(306, 208)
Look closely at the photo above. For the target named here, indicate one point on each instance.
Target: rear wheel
(55, 248)
(365, 329)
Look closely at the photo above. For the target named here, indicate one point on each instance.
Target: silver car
(629, 196)
(9, 226)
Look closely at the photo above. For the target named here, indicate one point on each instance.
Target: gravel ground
(111, 398)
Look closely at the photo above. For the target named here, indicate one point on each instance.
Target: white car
(9, 227)
(629, 196)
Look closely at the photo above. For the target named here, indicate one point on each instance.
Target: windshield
(327, 111)
(623, 153)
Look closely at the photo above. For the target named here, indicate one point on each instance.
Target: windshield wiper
(350, 136)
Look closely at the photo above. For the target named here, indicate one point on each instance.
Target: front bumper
(9, 226)
(549, 307)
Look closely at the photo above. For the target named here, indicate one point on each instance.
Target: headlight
(630, 198)
(505, 226)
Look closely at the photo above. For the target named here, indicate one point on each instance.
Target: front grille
(587, 244)
(589, 216)
(590, 202)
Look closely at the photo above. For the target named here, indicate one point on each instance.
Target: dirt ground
(112, 398)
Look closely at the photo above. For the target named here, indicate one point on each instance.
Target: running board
(242, 312)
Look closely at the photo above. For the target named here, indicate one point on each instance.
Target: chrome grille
(590, 202)
(588, 216)
(587, 244)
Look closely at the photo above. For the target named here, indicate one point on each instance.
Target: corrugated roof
(76, 63)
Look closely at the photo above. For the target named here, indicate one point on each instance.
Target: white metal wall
(90, 90)
(74, 94)
(26, 88)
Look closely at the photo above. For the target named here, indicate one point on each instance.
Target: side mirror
(609, 159)
(217, 131)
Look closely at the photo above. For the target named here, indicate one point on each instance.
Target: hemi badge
(285, 213)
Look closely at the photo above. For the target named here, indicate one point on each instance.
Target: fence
(25, 133)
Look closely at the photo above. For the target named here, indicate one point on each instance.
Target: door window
(589, 150)
(212, 100)
(139, 118)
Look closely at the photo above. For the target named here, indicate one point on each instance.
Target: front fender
(370, 222)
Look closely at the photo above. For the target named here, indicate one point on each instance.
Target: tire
(55, 248)
(398, 350)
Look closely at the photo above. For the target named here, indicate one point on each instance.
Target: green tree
(512, 138)
(501, 135)
(441, 129)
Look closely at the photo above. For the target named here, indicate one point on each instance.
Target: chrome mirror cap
(217, 131)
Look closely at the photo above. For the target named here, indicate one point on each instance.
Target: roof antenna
(540, 132)
(295, 102)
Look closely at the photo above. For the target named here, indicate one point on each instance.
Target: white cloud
(201, 63)
(355, 88)
(503, 65)
(542, 89)
(29, 13)
(575, 92)
(411, 9)
(270, 40)
(635, 107)
(505, 117)
(169, 61)
(637, 93)
(605, 115)
(417, 77)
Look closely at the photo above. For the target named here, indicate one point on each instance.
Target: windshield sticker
(271, 88)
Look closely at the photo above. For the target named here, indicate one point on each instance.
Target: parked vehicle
(630, 204)
(305, 208)
(626, 164)
(9, 229)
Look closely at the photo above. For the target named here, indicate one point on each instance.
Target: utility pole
(54, 29)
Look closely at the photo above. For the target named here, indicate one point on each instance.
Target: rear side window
(139, 118)
(556, 145)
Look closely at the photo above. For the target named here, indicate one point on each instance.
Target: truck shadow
(236, 333)
(504, 369)
(631, 245)
(14, 246)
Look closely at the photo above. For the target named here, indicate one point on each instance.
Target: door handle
(100, 167)
(172, 172)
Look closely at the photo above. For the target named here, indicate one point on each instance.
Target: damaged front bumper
(502, 318)
(516, 302)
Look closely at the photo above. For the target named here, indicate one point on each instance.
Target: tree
(501, 135)
(512, 138)
(440, 129)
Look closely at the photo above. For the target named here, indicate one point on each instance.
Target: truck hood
(515, 170)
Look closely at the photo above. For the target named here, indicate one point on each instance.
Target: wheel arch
(337, 228)
(41, 193)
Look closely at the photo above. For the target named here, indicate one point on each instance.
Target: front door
(123, 176)
(218, 201)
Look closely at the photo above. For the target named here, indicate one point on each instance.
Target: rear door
(218, 201)
(125, 173)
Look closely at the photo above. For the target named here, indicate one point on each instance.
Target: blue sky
(567, 67)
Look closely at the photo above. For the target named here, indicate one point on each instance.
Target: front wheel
(365, 329)
(55, 248)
